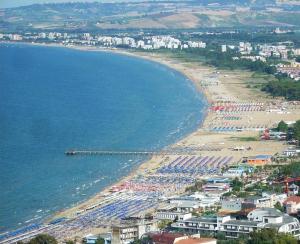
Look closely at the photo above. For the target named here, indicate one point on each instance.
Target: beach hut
(259, 160)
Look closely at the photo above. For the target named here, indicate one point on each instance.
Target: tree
(143, 240)
(297, 130)
(279, 207)
(196, 187)
(236, 184)
(270, 236)
(290, 170)
(282, 126)
(100, 240)
(221, 236)
(43, 239)
(70, 242)
(164, 224)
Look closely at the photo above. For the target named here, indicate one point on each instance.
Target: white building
(129, 230)
(292, 205)
(257, 219)
(232, 205)
(224, 48)
(166, 215)
(140, 44)
(194, 44)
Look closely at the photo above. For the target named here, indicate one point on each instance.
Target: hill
(150, 14)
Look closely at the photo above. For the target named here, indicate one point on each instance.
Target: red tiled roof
(192, 240)
(295, 199)
(164, 238)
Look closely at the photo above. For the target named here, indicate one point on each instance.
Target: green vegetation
(236, 185)
(43, 239)
(245, 138)
(209, 213)
(290, 170)
(296, 130)
(283, 86)
(275, 84)
(100, 240)
(263, 236)
(144, 240)
(196, 187)
(164, 224)
(282, 126)
(212, 55)
(270, 236)
(136, 15)
(279, 207)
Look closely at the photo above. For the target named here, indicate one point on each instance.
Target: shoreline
(144, 164)
(217, 87)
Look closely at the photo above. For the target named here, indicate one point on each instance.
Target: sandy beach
(249, 112)
(218, 87)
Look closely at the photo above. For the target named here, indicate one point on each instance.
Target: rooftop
(193, 240)
(164, 237)
(241, 222)
(260, 157)
(295, 199)
(285, 220)
(266, 212)
(212, 219)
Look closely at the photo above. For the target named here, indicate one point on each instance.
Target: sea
(55, 99)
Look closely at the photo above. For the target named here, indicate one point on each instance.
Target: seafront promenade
(235, 112)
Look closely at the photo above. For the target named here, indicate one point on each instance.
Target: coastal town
(236, 175)
(281, 51)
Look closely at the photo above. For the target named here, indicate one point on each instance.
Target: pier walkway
(105, 152)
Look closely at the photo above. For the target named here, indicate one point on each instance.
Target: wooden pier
(111, 152)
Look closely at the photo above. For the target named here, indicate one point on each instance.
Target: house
(187, 206)
(259, 160)
(233, 228)
(293, 189)
(231, 205)
(233, 173)
(236, 228)
(292, 205)
(291, 152)
(196, 225)
(170, 215)
(214, 180)
(131, 229)
(273, 218)
(262, 218)
(206, 200)
(224, 187)
(258, 214)
(92, 239)
(195, 240)
(275, 198)
(260, 201)
(237, 171)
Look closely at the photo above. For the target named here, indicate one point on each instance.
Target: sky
(17, 3)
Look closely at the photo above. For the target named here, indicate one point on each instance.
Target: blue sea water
(54, 99)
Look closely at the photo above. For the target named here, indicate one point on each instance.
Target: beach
(253, 112)
(235, 116)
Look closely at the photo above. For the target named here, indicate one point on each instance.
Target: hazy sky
(16, 3)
